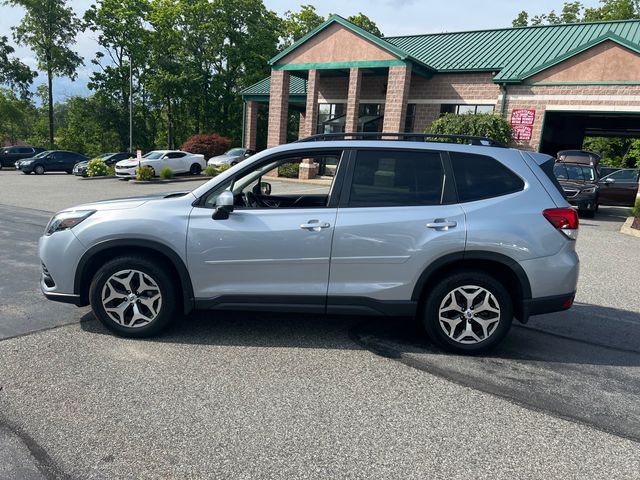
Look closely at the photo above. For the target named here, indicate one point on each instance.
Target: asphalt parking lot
(247, 395)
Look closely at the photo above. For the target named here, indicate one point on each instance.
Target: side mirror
(224, 206)
(265, 188)
(609, 181)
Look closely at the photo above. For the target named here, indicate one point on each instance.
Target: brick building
(556, 83)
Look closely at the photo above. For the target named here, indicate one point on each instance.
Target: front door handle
(314, 225)
(442, 224)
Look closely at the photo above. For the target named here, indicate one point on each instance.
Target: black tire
(169, 306)
(38, 169)
(442, 291)
(588, 213)
(195, 169)
(233, 163)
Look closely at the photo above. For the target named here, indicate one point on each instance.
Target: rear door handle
(314, 225)
(442, 224)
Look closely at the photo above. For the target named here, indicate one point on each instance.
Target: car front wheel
(133, 297)
(468, 312)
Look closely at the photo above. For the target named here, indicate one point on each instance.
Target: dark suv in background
(9, 155)
(580, 185)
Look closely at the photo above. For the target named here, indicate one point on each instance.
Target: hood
(127, 203)
(128, 163)
(82, 164)
(225, 158)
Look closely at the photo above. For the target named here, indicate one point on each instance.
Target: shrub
(166, 173)
(207, 144)
(480, 125)
(111, 171)
(289, 170)
(213, 170)
(145, 173)
(97, 168)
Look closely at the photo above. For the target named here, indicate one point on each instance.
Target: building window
(464, 108)
(370, 117)
(328, 112)
(410, 119)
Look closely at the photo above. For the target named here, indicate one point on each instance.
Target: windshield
(153, 155)
(43, 154)
(104, 156)
(234, 152)
(582, 173)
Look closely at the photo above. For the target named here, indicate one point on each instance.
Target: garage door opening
(568, 130)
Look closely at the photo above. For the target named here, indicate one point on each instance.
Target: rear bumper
(556, 303)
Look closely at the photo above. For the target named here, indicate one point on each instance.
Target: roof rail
(412, 137)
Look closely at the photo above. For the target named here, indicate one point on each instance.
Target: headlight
(64, 220)
(26, 162)
(589, 190)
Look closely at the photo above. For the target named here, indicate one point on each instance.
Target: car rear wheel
(233, 163)
(133, 297)
(38, 169)
(195, 169)
(468, 312)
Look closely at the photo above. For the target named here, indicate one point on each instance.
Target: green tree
(124, 42)
(365, 23)
(297, 24)
(17, 116)
(573, 12)
(13, 72)
(89, 126)
(49, 28)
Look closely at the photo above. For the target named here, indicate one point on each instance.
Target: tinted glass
(153, 155)
(25, 150)
(479, 176)
(625, 176)
(388, 178)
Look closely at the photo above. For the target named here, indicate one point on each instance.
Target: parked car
(231, 157)
(580, 185)
(10, 155)
(50, 161)
(177, 161)
(405, 228)
(80, 169)
(619, 188)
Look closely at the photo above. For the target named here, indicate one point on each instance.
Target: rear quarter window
(479, 177)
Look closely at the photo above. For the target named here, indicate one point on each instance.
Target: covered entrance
(566, 130)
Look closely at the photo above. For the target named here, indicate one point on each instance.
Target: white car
(176, 160)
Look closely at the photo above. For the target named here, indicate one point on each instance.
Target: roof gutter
(503, 108)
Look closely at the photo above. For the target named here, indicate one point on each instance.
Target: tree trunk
(170, 139)
(50, 99)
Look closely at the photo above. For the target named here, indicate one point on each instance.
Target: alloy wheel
(469, 314)
(131, 298)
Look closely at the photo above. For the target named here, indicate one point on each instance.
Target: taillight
(564, 219)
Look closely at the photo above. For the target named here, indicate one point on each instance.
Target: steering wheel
(251, 200)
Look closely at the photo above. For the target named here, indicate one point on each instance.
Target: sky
(393, 17)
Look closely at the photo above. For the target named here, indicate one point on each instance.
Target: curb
(102, 177)
(627, 230)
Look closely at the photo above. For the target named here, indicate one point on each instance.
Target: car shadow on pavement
(586, 334)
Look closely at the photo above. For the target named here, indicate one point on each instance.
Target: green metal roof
(514, 52)
(297, 86)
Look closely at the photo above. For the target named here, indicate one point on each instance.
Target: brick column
(302, 125)
(311, 115)
(251, 125)
(278, 108)
(395, 109)
(353, 100)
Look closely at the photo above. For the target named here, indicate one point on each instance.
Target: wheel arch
(503, 268)
(101, 253)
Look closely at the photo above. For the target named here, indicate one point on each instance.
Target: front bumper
(60, 254)
(126, 172)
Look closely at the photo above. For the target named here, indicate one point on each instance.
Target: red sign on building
(523, 116)
(522, 120)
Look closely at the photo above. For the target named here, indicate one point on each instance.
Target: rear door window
(479, 177)
(390, 178)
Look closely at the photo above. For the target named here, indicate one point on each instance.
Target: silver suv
(464, 237)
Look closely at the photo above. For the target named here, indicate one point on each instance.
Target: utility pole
(130, 104)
